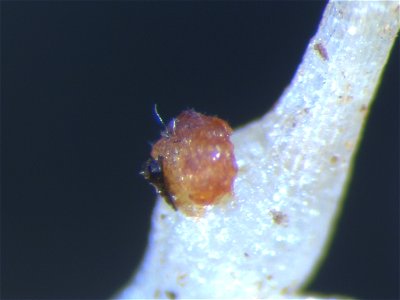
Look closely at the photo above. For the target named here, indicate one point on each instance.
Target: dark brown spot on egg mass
(153, 172)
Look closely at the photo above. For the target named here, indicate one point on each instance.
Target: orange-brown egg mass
(197, 160)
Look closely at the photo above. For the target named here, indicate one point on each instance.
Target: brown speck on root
(181, 279)
(349, 145)
(334, 159)
(157, 294)
(345, 99)
(193, 164)
(284, 291)
(170, 295)
(363, 109)
(279, 217)
(321, 50)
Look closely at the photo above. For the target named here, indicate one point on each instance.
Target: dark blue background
(78, 85)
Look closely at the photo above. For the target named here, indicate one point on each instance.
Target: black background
(78, 84)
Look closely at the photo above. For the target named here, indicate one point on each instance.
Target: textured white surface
(293, 165)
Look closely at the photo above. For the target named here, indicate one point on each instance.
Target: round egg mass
(197, 161)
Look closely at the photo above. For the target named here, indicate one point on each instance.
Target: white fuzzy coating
(293, 166)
